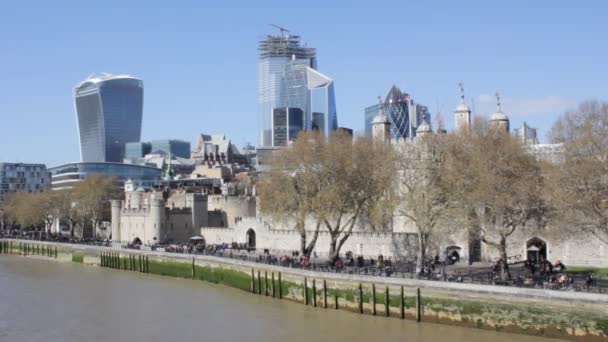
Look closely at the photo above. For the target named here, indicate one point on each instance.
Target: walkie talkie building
(109, 113)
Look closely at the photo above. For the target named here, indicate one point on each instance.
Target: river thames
(47, 301)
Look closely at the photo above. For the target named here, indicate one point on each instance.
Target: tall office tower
(403, 114)
(289, 84)
(527, 134)
(109, 113)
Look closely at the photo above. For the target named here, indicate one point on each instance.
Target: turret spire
(461, 86)
(498, 109)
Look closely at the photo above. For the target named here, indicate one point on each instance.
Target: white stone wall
(572, 251)
(233, 207)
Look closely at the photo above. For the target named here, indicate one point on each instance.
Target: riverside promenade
(564, 314)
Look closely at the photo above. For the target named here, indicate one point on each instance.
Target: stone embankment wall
(575, 316)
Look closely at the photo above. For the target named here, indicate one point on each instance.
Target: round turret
(381, 127)
(424, 129)
(499, 116)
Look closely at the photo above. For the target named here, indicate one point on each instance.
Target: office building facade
(67, 175)
(17, 177)
(135, 150)
(109, 113)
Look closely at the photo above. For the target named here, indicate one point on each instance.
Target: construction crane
(282, 29)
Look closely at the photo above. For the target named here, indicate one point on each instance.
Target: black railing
(434, 271)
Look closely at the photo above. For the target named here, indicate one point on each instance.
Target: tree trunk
(303, 242)
(333, 251)
(504, 265)
(421, 253)
(313, 242)
(72, 226)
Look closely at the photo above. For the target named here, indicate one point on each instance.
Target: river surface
(47, 301)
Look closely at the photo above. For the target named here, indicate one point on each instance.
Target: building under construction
(292, 94)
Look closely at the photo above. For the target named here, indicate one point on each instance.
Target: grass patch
(77, 257)
(603, 326)
(598, 272)
(227, 277)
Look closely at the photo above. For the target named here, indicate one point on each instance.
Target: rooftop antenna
(282, 29)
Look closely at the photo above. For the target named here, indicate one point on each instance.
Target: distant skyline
(198, 61)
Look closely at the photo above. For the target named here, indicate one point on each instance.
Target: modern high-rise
(527, 135)
(403, 114)
(292, 94)
(109, 113)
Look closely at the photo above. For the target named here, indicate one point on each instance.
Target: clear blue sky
(198, 60)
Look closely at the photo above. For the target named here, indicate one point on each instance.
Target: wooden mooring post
(360, 298)
(418, 306)
(280, 287)
(374, 299)
(193, 269)
(314, 293)
(259, 283)
(387, 302)
(252, 281)
(402, 303)
(324, 294)
(305, 291)
(273, 288)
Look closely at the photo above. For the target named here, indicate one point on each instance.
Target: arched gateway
(251, 238)
(536, 250)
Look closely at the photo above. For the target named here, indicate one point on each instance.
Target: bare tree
(499, 183)
(92, 196)
(67, 209)
(424, 196)
(358, 177)
(28, 210)
(290, 191)
(579, 182)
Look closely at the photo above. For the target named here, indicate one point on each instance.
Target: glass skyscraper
(401, 111)
(292, 94)
(109, 113)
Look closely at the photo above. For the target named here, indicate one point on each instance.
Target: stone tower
(462, 113)
(499, 120)
(154, 230)
(116, 208)
(381, 127)
(424, 129)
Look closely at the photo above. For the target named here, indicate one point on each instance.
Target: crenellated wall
(153, 219)
(232, 208)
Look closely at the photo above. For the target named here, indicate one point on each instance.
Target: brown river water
(47, 301)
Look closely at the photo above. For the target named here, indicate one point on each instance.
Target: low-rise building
(67, 175)
(15, 177)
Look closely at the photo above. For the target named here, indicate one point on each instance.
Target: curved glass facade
(109, 112)
(288, 82)
(404, 115)
(65, 176)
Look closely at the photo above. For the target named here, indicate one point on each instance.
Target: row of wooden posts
(132, 262)
(272, 290)
(141, 263)
(25, 249)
